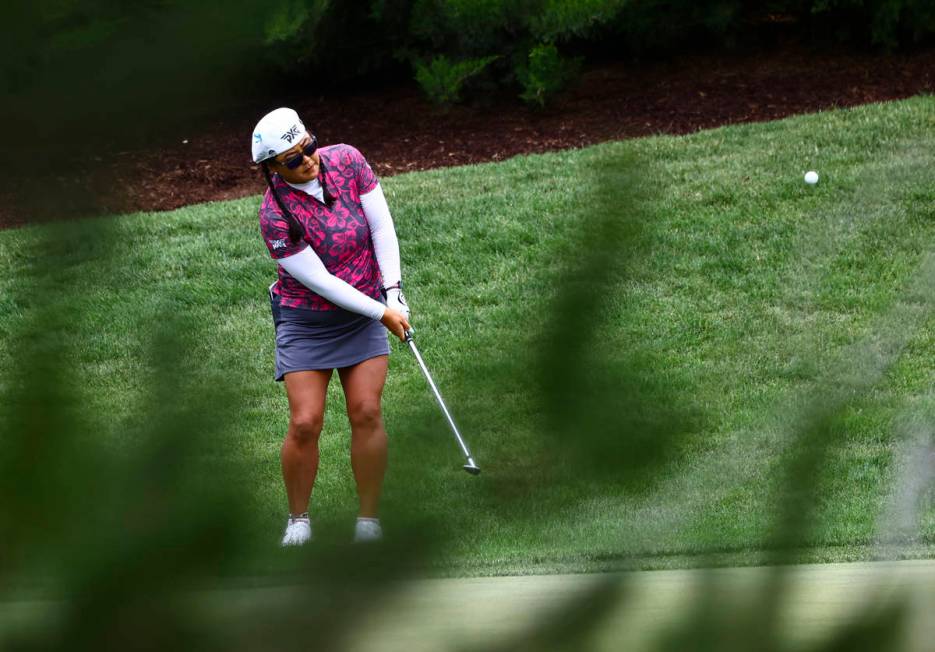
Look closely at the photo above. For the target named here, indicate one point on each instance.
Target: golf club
(471, 467)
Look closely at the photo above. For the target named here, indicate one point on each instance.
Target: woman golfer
(325, 221)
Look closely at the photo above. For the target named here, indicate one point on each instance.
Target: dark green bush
(557, 20)
(334, 43)
(545, 74)
(521, 34)
(887, 23)
(289, 32)
(442, 79)
(515, 29)
(665, 27)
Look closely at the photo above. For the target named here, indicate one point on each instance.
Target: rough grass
(752, 289)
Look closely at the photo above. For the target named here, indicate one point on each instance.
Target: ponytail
(295, 229)
(329, 198)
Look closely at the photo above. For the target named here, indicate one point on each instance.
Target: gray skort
(324, 339)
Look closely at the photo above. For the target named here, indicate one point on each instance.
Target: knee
(306, 428)
(365, 415)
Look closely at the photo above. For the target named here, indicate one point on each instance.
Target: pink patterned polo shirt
(339, 233)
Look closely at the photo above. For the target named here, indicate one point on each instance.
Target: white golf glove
(396, 301)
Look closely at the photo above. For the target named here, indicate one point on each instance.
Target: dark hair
(295, 229)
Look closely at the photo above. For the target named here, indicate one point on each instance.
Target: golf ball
(811, 177)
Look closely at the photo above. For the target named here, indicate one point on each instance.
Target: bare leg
(363, 390)
(306, 391)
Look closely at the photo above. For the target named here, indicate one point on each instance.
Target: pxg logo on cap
(290, 135)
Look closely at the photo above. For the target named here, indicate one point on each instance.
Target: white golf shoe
(298, 531)
(367, 529)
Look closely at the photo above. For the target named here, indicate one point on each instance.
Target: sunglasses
(295, 160)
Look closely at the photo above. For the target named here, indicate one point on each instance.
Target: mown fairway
(743, 296)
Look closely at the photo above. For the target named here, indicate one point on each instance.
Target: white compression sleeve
(383, 234)
(307, 268)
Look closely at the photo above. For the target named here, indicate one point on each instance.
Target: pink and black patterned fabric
(339, 234)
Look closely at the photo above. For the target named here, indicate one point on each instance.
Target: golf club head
(471, 467)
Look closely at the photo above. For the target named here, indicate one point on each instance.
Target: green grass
(751, 292)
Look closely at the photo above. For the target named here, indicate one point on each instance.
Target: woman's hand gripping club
(396, 322)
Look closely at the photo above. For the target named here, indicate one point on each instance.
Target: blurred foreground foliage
(143, 540)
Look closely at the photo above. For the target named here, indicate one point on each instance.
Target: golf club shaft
(441, 401)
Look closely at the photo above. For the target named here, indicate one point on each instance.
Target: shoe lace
(301, 518)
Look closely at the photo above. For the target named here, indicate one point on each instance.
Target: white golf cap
(276, 132)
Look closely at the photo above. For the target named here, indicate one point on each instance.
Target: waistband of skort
(311, 317)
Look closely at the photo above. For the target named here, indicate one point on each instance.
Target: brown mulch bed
(399, 131)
